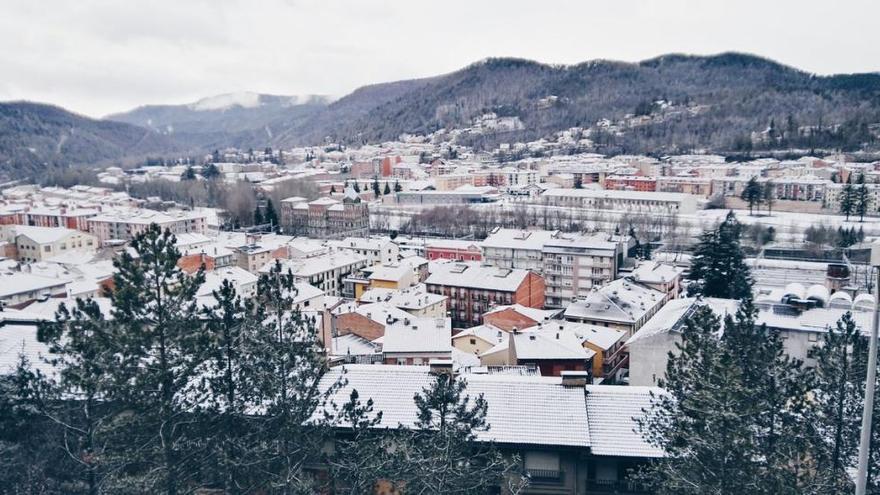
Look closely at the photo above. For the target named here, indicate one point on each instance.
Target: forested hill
(670, 104)
(35, 137)
(716, 101)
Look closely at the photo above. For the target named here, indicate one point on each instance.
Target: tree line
(739, 415)
(166, 395)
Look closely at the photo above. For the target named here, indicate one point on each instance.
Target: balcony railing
(545, 475)
(614, 486)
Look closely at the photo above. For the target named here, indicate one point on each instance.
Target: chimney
(574, 378)
(440, 366)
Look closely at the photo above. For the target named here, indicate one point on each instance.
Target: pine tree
(271, 217)
(397, 186)
(718, 267)
(156, 343)
(847, 198)
(75, 400)
(224, 393)
(360, 458)
(258, 216)
(376, 189)
(387, 190)
(291, 362)
(840, 370)
(441, 455)
(578, 182)
(188, 174)
(752, 194)
(769, 196)
(861, 198)
(733, 417)
(332, 189)
(211, 172)
(357, 188)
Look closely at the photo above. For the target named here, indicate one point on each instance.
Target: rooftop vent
(574, 378)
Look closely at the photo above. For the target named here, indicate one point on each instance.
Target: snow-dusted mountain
(228, 119)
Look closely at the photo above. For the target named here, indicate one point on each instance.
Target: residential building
(621, 304)
(473, 289)
(517, 316)
(575, 264)
(520, 249)
(550, 352)
(415, 300)
(326, 218)
(453, 249)
(416, 341)
(377, 250)
(126, 225)
(18, 289)
(35, 244)
(572, 437)
(659, 276)
(325, 272)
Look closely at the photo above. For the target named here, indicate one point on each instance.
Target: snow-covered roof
(475, 276)
(416, 335)
(44, 235)
(620, 301)
(519, 407)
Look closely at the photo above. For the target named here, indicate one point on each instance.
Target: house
(325, 272)
(244, 282)
(35, 244)
(610, 360)
(453, 249)
(18, 289)
(571, 437)
(479, 339)
(473, 289)
(517, 316)
(377, 250)
(621, 304)
(663, 277)
(367, 320)
(550, 351)
(417, 341)
(415, 300)
(396, 275)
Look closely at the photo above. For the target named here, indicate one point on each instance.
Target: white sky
(103, 56)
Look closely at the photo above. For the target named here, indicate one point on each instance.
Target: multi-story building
(698, 186)
(575, 264)
(377, 250)
(326, 218)
(325, 272)
(631, 183)
(628, 201)
(126, 225)
(40, 243)
(512, 248)
(473, 289)
(621, 304)
(453, 249)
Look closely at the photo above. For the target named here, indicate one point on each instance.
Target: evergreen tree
(211, 172)
(387, 190)
(357, 188)
(847, 198)
(360, 457)
(271, 217)
(578, 182)
(155, 343)
(291, 362)
(332, 189)
(74, 401)
(752, 194)
(376, 189)
(397, 186)
(188, 174)
(769, 196)
(215, 156)
(733, 417)
(839, 396)
(259, 219)
(861, 198)
(718, 267)
(224, 392)
(441, 455)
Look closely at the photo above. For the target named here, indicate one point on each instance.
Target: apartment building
(473, 289)
(628, 201)
(40, 243)
(326, 218)
(516, 249)
(573, 265)
(126, 225)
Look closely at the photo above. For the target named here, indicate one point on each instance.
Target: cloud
(102, 56)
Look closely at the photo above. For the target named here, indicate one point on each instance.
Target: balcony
(616, 487)
(545, 475)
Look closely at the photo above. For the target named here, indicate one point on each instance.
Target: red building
(473, 289)
(630, 183)
(451, 249)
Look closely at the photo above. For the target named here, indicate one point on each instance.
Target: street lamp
(865, 441)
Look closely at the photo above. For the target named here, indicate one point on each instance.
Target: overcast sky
(101, 56)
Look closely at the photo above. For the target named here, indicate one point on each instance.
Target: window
(473, 341)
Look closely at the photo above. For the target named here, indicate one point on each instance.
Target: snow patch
(244, 99)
